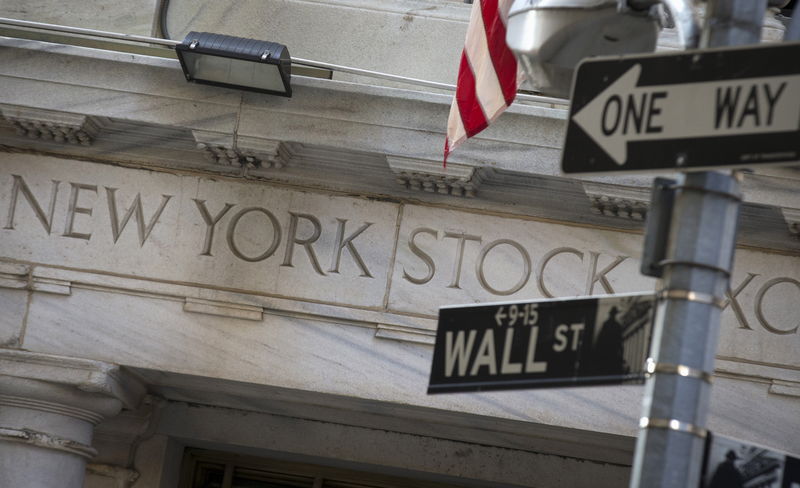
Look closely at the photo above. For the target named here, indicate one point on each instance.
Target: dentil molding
(53, 126)
(432, 176)
(242, 151)
(617, 201)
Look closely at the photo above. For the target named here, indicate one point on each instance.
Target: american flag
(488, 74)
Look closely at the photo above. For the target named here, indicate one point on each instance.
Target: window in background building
(214, 469)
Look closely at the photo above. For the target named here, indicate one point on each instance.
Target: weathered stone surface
(350, 29)
(50, 405)
(417, 455)
(13, 304)
(263, 240)
(189, 229)
(435, 28)
(298, 353)
(195, 306)
(317, 316)
(449, 257)
(130, 17)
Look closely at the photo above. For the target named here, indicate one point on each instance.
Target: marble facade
(190, 267)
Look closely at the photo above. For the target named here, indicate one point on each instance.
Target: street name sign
(694, 110)
(545, 343)
(729, 463)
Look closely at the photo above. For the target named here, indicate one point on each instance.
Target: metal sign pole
(669, 449)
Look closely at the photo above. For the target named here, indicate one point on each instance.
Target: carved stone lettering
(276, 234)
(734, 303)
(599, 269)
(222, 233)
(543, 264)
(593, 276)
(518, 251)
(211, 223)
(459, 259)
(342, 242)
(135, 209)
(21, 186)
(759, 306)
(306, 243)
(75, 209)
(425, 257)
(526, 267)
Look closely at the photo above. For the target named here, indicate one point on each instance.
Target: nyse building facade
(207, 287)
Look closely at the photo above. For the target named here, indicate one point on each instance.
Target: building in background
(202, 287)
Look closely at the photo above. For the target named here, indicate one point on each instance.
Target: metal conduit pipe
(88, 32)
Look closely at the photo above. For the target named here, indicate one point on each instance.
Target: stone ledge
(223, 309)
(785, 388)
(84, 374)
(239, 305)
(19, 277)
(14, 276)
(405, 334)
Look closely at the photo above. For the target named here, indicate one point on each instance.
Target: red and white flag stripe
(487, 77)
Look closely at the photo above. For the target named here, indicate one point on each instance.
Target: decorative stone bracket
(243, 151)
(613, 202)
(47, 125)
(426, 175)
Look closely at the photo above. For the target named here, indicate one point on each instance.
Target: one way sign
(688, 111)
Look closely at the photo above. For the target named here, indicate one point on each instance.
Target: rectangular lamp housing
(236, 62)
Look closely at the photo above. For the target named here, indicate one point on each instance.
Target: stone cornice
(331, 135)
(432, 176)
(61, 127)
(387, 120)
(83, 374)
(225, 149)
(617, 201)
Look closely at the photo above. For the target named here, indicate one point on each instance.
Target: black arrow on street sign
(710, 108)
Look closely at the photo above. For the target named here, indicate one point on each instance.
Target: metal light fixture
(236, 62)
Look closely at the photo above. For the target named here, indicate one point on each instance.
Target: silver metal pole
(88, 32)
(669, 449)
(375, 74)
(415, 81)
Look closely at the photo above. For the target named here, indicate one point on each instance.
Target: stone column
(49, 406)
